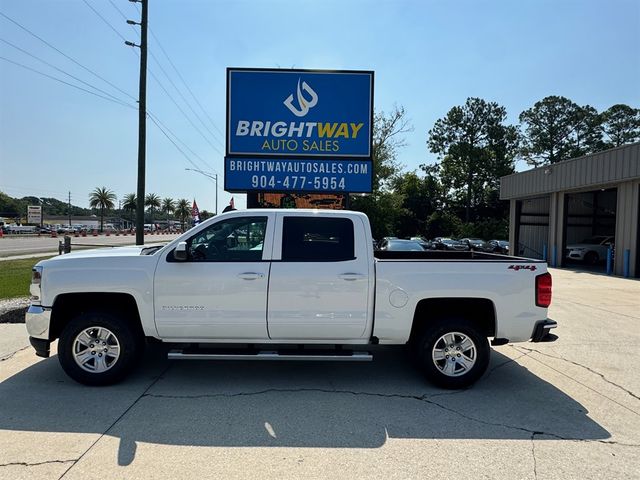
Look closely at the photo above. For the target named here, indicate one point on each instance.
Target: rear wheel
(591, 258)
(99, 348)
(453, 353)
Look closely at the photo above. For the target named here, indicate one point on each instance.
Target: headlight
(35, 287)
(36, 275)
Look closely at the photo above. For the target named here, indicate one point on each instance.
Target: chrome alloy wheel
(454, 354)
(96, 349)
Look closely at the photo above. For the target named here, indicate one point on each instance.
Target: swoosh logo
(303, 103)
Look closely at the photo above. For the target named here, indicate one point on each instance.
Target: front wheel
(453, 354)
(591, 258)
(98, 348)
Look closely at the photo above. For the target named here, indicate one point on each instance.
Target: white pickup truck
(284, 285)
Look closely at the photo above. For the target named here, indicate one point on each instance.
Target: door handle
(250, 275)
(350, 277)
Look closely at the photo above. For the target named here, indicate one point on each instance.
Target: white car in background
(590, 250)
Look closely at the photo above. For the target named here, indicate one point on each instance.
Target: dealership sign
(299, 130)
(34, 214)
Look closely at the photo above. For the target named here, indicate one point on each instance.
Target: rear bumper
(542, 329)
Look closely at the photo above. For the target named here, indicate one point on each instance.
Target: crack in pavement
(421, 398)
(27, 464)
(156, 380)
(589, 369)
(506, 362)
(7, 357)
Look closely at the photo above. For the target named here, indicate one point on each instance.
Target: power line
(119, 102)
(171, 140)
(158, 124)
(154, 76)
(62, 71)
(124, 16)
(213, 136)
(104, 20)
(179, 76)
(67, 56)
(184, 82)
(180, 141)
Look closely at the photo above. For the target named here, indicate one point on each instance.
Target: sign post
(299, 131)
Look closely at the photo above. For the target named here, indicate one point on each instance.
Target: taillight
(543, 290)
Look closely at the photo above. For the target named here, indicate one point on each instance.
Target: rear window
(317, 239)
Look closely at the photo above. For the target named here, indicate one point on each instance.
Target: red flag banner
(195, 213)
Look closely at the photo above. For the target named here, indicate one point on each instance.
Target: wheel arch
(480, 311)
(69, 305)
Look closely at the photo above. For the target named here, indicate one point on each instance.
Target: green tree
(182, 211)
(475, 148)
(152, 202)
(420, 197)
(103, 199)
(168, 206)
(383, 206)
(129, 204)
(621, 125)
(587, 137)
(549, 130)
(205, 214)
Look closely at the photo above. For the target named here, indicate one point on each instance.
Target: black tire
(591, 258)
(130, 347)
(433, 338)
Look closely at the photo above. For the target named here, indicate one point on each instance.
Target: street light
(214, 176)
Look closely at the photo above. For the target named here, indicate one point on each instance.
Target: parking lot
(568, 409)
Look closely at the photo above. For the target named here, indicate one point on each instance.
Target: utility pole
(142, 117)
(69, 208)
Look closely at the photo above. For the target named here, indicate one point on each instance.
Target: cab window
(233, 240)
(317, 239)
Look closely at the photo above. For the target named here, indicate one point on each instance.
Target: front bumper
(575, 254)
(542, 329)
(38, 321)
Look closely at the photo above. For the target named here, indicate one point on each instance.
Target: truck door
(220, 291)
(319, 287)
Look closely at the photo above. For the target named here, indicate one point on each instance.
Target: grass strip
(15, 277)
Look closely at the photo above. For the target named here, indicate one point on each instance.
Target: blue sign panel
(299, 113)
(297, 175)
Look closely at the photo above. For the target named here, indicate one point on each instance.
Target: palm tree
(183, 210)
(130, 203)
(152, 201)
(168, 206)
(102, 198)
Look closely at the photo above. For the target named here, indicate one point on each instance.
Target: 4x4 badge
(533, 268)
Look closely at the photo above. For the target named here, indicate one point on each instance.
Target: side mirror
(180, 253)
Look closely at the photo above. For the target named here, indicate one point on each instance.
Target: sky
(428, 56)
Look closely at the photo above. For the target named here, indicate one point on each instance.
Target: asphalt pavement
(569, 409)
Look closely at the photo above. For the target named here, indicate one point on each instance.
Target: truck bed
(440, 255)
